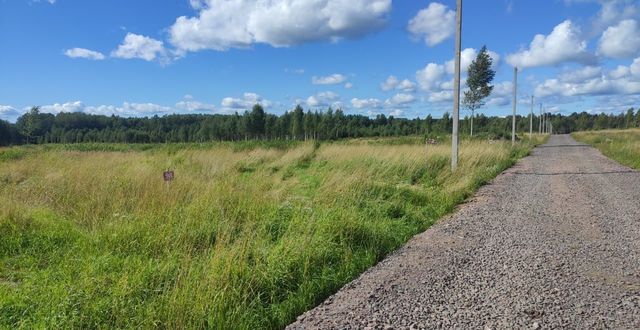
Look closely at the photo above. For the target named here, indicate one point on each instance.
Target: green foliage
(479, 78)
(246, 237)
(297, 125)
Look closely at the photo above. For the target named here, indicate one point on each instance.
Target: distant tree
(479, 78)
(256, 122)
(629, 119)
(297, 125)
(29, 124)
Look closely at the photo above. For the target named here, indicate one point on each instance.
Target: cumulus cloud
(333, 79)
(246, 102)
(467, 56)
(348, 85)
(393, 82)
(142, 47)
(430, 77)
(563, 44)
(75, 106)
(9, 113)
(620, 81)
(84, 53)
(221, 25)
(370, 103)
(613, 11)
(400, 100)
(434, 24)
(581, 74)
(621, 40)
(323, 99)
(190, 105)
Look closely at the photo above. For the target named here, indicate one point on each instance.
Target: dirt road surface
(553, 242)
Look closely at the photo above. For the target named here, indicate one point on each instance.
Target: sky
(369, 57)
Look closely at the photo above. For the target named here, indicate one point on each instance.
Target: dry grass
(243, 238)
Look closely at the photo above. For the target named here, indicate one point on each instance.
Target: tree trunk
(472, 112)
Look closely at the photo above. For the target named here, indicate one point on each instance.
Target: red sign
(168, 176)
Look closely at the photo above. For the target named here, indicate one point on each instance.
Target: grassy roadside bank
(245, 237)
(621, 145)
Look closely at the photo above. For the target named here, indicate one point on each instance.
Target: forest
(35, 127)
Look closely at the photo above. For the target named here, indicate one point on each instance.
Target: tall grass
(245, 237)
(621, 145)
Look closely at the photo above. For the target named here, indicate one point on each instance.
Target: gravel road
(553, 242)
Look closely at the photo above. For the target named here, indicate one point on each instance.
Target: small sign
(168, 176)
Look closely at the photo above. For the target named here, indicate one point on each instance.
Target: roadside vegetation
(246, 236)
(621, 145)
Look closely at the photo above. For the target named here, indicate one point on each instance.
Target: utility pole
(456, 89)
(540, 119)
(515, 99)
(531, 121)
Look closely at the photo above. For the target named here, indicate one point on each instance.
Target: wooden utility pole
(515, 100)
(540, 119)
(531, 121)
(456, 89)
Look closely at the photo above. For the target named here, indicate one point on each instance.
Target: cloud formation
(434, 24)
(221, 25)
(246, 102)
(141, 47)
(564, 44)
(84, 53)
(621, 40)
(333, 79)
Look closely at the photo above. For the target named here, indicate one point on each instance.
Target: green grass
(248, 236)
(621, 145)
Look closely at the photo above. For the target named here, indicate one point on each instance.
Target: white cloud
(246, 102)
(430, 77)
(587, 81)
(323, 99)
(9, 113)
(613, 11)
(389, 84)
(84, 53)
(393, 82)
(581, 74)
(221, 25)
(467, 56)
(76, 106)
(142, 47)
(371, 103)
(564, 44)
(400, 99)
(188, 104)
(197, 4)
(434, 24)
(348, 85)
(333, 79)
(127, 109)
(441, 96)
(621, 41)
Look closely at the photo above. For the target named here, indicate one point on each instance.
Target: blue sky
(147, 57)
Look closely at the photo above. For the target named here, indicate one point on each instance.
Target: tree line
(35, 127)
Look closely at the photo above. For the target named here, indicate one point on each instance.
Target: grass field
(621, 145)
(247, 236)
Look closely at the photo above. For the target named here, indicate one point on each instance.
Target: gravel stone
(553, 242)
